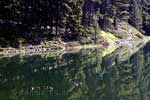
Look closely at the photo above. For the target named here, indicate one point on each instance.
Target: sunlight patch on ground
(108, 36)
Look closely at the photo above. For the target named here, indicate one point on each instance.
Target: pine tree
(146, 16)
(136, 14)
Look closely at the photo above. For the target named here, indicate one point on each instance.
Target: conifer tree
(136, 14)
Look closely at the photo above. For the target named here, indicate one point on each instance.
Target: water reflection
(85, 75)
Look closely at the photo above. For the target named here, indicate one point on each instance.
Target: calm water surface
(84, 75)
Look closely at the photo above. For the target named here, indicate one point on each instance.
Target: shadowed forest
(34, 21)
(74, 49)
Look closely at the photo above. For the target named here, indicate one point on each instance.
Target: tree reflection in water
(85, 75)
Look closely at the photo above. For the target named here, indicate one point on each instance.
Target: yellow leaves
(110, 49)
(110, 38)
(107, 36)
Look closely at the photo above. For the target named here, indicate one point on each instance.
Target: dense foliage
(31, 21)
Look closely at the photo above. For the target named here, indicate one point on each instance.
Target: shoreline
(41, 49)
(31, 49)
(129, 38)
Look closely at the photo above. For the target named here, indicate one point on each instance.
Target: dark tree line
(31, 21)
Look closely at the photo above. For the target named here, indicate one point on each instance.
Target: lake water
(84, 75)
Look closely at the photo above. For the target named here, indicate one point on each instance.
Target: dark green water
(80, 76)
